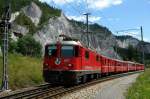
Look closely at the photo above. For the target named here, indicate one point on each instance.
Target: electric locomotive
(70, 62)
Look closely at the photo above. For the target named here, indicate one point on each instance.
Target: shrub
(28, 46)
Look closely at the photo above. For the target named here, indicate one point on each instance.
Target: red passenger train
(69, 62)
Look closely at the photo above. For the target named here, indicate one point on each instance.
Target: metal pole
(87, 27)
(116, 48)
(5, 19)
(5, 59)
(142, 41)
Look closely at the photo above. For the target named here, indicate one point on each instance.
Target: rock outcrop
(125, 41)
(22, 30)
(33, 12)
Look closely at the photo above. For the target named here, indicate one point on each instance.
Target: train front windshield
(65, 51)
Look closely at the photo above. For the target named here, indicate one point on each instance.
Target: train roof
(66, 43)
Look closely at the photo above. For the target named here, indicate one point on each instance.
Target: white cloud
(102, 4)
(82, 18)
(77, 18)
(117, 2)
(61, 2)
(93, 4)
(132, 33)
(94, 19)
(58, 2)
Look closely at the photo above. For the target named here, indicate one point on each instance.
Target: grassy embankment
(23, 71)
(141, 88)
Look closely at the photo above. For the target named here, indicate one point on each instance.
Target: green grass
(23, 71)
(141, 88)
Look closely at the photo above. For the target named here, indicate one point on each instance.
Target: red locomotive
(69, 62)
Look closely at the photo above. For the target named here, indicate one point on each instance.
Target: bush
(12, 46)
(28, 46)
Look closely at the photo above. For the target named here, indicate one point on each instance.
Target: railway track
(49, 91)
(30, 92)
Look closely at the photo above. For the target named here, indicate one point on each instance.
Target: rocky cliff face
(33, 12)
(125, 41)
(52, 29)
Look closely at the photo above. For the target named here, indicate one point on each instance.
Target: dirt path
(117, 88)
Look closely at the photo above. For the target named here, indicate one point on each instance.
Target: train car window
(97, 58)
(76, 51)
(102, 60)
(105, 62)
(86, 54)
(51, 50)
(67, 51)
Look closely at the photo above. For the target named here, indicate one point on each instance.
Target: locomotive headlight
(70, 65)
(45, 66)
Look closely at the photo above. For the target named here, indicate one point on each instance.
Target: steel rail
(23, 92)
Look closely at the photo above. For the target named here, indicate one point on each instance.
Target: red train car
(69, 62)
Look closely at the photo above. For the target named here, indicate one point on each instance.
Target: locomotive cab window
(51, 50)
(86, 54)
(67, 51)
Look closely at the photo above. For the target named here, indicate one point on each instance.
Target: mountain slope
(45, 23)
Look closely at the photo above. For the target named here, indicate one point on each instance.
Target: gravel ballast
(114, 89)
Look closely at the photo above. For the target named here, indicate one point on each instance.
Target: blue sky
(114, 14)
